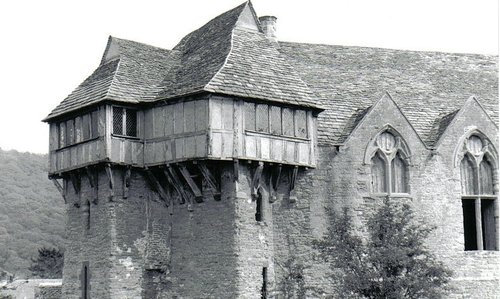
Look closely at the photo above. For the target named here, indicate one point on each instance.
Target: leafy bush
(393, 262)
(48, 264)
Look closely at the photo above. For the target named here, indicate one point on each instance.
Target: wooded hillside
(31, 210)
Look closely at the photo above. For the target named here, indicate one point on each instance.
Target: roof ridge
(225, 60)
(140, 43)
(106, 95)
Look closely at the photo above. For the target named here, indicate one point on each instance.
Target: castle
(198, 172)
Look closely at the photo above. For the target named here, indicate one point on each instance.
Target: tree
(392, 262)
(48, 264)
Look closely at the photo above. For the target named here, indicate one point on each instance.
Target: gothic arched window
(388, 166)
(478, 195)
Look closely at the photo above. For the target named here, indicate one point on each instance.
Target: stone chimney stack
(268, 24)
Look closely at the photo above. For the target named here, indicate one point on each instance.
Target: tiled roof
(226, 57)
(219, 57)
(133, 76)
(425, 85)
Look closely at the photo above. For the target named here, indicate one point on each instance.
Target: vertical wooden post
(109, 172)
(108, 129)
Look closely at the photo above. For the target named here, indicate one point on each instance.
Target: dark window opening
(85, 281)
(124, 122)
(469, 212)
(263, 290)
(117, 121)
(488, 224)
(131, 122)
(478, 198)
(258, 208)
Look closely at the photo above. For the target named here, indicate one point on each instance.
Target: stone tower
(168, 162)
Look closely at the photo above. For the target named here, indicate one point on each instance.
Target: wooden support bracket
(159, 188)
(209, 178)
(189, 180)
(109, 173)
(126, 182)
(76, 181)
(94, 183)
(176, 183)
(274, 183)
(256, 178)
(59, 188)
(293, 177)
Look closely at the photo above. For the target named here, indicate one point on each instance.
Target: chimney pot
(268, 24)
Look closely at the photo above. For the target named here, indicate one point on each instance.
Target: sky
(49, 47)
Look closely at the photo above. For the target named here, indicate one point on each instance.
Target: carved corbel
(109, 173)
(192, 184)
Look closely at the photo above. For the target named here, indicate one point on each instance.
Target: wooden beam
(159, 188)
(109, 173)
(293, 177)
(209, 178)
(189, 180)
(176, 183)
(94, 183)
(274, 182)
(75, 181)
(59, 188)
(126, 181)
(256, 178)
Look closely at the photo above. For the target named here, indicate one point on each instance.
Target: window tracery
(388, 156)
(479, 195)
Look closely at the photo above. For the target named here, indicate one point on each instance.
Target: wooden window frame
(124, 111)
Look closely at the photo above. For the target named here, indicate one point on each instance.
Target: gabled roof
(425, 85)
(228, 55)
(130, 72)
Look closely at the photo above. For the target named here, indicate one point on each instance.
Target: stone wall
(343, 179)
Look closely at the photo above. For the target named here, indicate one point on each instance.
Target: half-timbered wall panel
(260, 131)
(79, 155)
(77, 141)
(176, 132)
